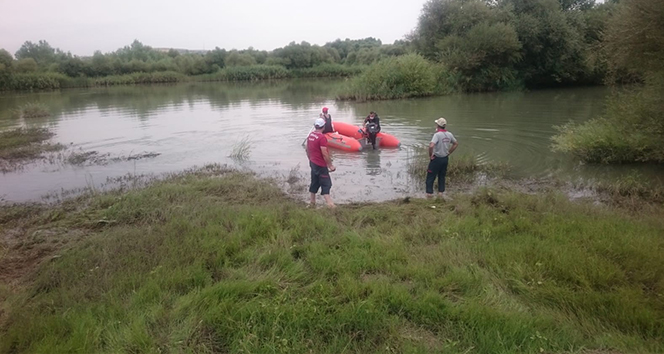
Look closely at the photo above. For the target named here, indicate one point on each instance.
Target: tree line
(41, 57)
(483, 45)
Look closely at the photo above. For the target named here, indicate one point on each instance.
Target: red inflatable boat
(342, 142)
(355, 132)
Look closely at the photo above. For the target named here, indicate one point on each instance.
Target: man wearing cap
(329, 128)
(442, 145)
(320, 163)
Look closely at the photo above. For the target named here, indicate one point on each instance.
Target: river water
(199, 123)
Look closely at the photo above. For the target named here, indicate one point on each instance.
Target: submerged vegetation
(461, 168)
(24, 144)
(229, 264)
(242, 149)
(33, 110)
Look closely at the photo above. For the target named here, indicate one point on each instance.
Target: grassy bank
(51, 81)
(24, 144)
(216, 261)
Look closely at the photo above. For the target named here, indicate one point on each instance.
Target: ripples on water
(196, 124)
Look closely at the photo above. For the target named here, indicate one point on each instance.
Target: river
(199, 123)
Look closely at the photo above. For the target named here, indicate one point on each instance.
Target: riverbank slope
(217, 261)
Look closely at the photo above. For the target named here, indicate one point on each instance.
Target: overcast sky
(83, 26)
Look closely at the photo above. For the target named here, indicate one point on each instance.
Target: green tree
(6, 60)
(42, 52)
(635, 37)
(6, 69)
(237, 59)
(26, 65)
(216, 57)
(302, 55)
(72, 66)
(101, 65)
(553, 48)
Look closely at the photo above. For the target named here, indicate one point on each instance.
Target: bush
(401, 77)
(631, 131)
(38, 81)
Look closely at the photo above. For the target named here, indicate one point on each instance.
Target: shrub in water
(400, 77)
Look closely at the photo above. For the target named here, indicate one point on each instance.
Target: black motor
(371, 130)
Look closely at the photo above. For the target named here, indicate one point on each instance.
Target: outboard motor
(372, 130)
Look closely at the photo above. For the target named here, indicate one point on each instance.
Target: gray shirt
(442, 140)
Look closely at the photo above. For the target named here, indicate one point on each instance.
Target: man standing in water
(329, 128)
(372, 127)
(441, 147)
(320, 163)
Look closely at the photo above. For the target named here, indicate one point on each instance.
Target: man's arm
(454, 146)
(431, 146)
(455, 143)
(328, 159)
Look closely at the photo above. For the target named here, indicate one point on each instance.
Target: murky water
(199, 123)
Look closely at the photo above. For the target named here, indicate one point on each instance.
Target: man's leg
(432, 171)
(329, 201)
(314, 186)
(441, 175)
(326, 185)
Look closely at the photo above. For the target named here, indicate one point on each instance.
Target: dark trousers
(372, 139)
(437, 167)
(320, 179)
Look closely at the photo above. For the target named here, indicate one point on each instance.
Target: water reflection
(373, 162)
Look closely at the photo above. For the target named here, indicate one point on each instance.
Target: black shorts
(320, 179)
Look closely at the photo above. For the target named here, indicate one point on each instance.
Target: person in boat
(371, 127)
(329, 128)
(320, 163)
(442, 145)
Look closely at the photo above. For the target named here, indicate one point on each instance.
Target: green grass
(329, 70)
(216, 261)
(139, 78)
(247, 73)
(54, 81)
